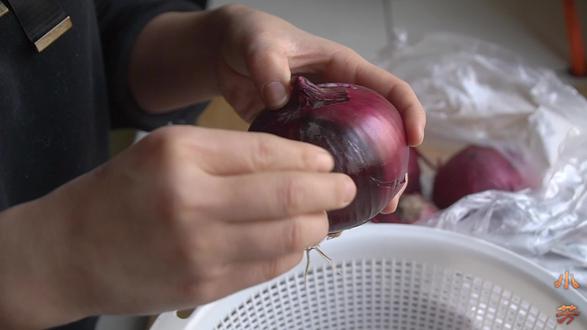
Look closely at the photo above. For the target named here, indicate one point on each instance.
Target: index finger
(276, 195)
(225, 153)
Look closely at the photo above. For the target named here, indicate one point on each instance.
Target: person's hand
(186, 216)
(248, 57)
(190, 215)
(260, 53)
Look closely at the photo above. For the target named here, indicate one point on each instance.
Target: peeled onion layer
(360, 128)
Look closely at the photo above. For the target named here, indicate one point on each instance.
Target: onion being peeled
(363, 132)
(472, 170)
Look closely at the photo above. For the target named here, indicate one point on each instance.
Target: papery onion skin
(360, 128)
(472, 170)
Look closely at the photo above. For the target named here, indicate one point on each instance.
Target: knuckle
(403, 87)
(161, 139)
(263, 155)
(294, 237)
(291, 196)
(349, 56)
(163, 149)
(264, 48)
(351, 53)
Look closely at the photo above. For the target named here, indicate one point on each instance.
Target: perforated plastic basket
(397, 277)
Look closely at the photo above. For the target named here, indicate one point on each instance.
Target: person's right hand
(189, 215)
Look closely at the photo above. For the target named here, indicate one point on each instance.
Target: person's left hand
(260, 52)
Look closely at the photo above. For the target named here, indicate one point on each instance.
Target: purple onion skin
(472, 170)
(363, 132)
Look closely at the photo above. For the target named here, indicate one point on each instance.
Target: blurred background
(536, 30)
(540, 32)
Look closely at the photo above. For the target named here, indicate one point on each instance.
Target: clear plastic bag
(475, 92)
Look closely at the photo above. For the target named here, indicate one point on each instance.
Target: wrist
(173, 60)
(37, 290)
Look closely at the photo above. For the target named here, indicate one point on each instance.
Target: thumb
(269, 70)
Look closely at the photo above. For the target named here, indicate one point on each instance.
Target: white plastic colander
(397, 277)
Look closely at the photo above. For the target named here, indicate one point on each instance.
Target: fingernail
(275, 94)
(390, 210)
(349, 191)
(418, 141)
(324, 161)
(421, 135)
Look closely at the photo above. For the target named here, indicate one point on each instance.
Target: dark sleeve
(120, 22)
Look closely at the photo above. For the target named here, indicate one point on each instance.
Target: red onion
(360, 128)
(472, 170)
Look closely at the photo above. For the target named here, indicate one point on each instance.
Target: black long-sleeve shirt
(56, 107)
